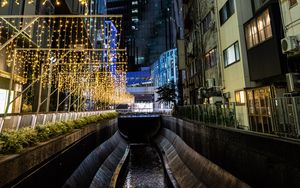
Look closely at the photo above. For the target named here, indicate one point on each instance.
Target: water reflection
(145, 169)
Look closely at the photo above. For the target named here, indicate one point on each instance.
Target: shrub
(13, 141)
(43, 132)
(79, 123)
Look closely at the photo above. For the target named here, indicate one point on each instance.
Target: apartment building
(231, 15)
(258, 68)
(203, 73)
(267, 64)
(290, 43)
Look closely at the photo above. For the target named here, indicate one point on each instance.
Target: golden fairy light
(70, 54)
(57, 2)
(83, 2)
(4, 3)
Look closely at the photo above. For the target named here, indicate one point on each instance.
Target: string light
(57, 2)
(4, 3)
(82, 2)
(75, 43)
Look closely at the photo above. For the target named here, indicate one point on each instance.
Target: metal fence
(145, 110)
(224, 115)
(286, 116)
(31, 120)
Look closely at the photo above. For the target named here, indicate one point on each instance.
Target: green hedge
(14, 141)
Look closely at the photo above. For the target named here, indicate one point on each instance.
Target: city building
(290, 43)
(234, 54)
(203, 71)
(140, 85)
(132, 11)
(231, 15)
(165, 71)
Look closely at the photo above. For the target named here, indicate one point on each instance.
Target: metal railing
(224, 115)
(285, 113)
(145, 110)
(31, 120)
(284, 116)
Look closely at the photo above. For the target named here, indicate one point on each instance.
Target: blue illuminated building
(165, 69)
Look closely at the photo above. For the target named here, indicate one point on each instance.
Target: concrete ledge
(13, 166)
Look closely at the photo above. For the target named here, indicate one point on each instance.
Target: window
(258, 30)
(226, 11)
(207, 22)
(232, 54)
(240, 97)
(134, 11)
(135, 19)
(210, 58)
(292, 2)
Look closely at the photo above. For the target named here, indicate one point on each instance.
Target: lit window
(135, 19)
(240, 97)
(258, 30)
(134, 11)
(293, 2)
(267, 24)
(210, 58)
(232, 54)
(134, 2)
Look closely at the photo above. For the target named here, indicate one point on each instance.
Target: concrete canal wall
(191, 169)
(259, 160)
(49, 164)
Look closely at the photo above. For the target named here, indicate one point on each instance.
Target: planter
(15, 165)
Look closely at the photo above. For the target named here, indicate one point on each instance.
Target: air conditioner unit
(293, 81)
(289, 44)
(210, 82)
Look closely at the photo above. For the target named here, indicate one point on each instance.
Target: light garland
(86, 51)
(57, 2)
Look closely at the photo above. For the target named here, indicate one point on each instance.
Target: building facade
(230, 17)
(165, 71)
(246, 53)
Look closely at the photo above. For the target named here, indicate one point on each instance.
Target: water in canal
(145, 169)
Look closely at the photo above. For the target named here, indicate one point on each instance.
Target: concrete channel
(135, 151)
(143, 154)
